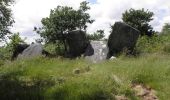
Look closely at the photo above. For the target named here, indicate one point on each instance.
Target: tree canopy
(63, 19)
(98, 35)
(139, 19)
(6, 19)
(15, 39)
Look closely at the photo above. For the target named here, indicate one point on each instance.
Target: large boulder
(96, 51)
(33, 50)
(77, 42)
(122, 37)
(18, 50)
(89, 50)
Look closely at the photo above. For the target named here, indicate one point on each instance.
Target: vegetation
(98, 35)
(6, 19)
(166, 28)
(51, 79)
(56, 78)
(139, 19)
(55, 49)
(6, 51)
(64, 19)
(156, 43)
(44, 78)
(15, 39)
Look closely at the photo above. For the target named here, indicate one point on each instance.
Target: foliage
(4, 53)
(166, 29)
(6, 19)
(15, 39)
(139, 19)
(147, 44)
(97, 35)
(156, 43)
(55, 49)
(166, 48)
(7, 50)
(63, 19)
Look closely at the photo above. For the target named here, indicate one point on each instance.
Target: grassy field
(62, 79)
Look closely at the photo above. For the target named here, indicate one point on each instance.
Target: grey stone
(99, 49)
(76, 71)
(122, 37)
(32, 51)
(89, 50)
(77, 42)
(18, 50)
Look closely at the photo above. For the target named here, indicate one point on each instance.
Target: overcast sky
(28, 13)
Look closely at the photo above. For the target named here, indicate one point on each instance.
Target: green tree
(139, 19)
(98, 35)
(6, 19)
(7, 50)
(63, 19)
(166, 29)
(15, 39)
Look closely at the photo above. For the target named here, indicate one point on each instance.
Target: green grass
(54, 79)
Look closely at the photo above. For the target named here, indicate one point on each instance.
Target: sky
(28, 13)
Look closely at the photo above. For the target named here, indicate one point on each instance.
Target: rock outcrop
(97, 51)
(77, 42)
(122, 37)
(32, 51)
(18, 50)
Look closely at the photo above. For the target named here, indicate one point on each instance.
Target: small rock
(76, 71)
(112, 58)
(140, 91)
(146, 93)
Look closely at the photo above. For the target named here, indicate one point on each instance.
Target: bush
(98, 35)
(5, 53)
(147, 44)
(1, 62)
(54, 48)
(167, 48)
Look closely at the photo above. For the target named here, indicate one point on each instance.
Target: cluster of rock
(122, 36)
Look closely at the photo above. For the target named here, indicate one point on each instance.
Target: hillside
(62, 79)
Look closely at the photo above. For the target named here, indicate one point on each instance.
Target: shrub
(166, 48)
(54, 48)
(152, 44)
(5, 53)
(98, 35)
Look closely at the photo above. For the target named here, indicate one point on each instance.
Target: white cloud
(112, 10)
(28, 13)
